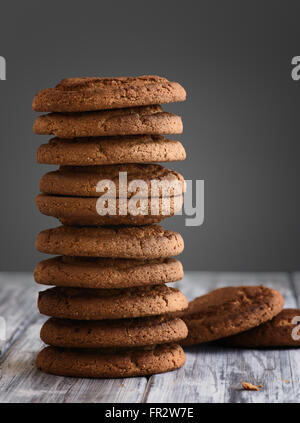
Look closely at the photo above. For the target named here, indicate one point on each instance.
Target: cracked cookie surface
(144, 242)
(123, 333)
(102, 364)
(132, 121)
(84, 94)
(82, 181)
(110, 150)
(102, 304)
(83, 211)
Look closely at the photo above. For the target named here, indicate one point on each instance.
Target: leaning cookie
(84, 94)
(124, 333)
(140, 242)
(110, 364)
(281, 331)
(102, 304)
(132, 121)
(86, 272)
(110, 150)
(228, 311)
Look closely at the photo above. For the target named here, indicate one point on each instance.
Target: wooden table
(210, 375)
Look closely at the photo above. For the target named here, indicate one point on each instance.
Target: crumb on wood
(249, 387)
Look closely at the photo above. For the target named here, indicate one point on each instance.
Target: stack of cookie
(110, 306)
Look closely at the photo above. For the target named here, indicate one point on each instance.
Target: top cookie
(88, 94)
(228, 311)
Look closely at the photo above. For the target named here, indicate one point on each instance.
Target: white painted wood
(21, 382)
(17, 305)
(213, 374)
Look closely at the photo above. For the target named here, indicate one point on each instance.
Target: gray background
(241, 119)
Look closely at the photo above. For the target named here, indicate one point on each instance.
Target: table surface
(211, 374)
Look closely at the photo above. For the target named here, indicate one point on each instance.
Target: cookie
(85, 94)
(83, 181)
(80, 211)
(277, 332)
(113, 150)
(228, 311)
(102, 304)
(145, 242)
(106, 273)
(132, 121)
(126, 333)
(108, 364)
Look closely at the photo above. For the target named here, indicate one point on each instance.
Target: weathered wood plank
(21, 382)
(211, 374)
(214, 374)
(17, 305)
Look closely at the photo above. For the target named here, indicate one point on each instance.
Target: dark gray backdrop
(241, 119)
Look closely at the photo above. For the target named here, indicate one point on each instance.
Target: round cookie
(83, 211)
(228, 311)
(131, 121)
(110, 364)
(141, 242)
(274, 333)
(102, 304)
(126, 333)
(108, 151)
(84, 94)
(106, 273)
(82, 181)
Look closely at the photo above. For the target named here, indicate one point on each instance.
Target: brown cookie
(278, 332)
(102, 304)
(126, 333)
(83, 211)
(106, 273)
(228, 311)
(82, 181)
(132, 121)
(144, 242)
(108, 364)
(84, 94)
(110, 150)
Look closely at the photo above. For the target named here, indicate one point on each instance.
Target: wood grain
(21, 382)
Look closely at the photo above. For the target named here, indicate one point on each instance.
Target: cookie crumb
(287, 381)
(249, 387)
(260, 385)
